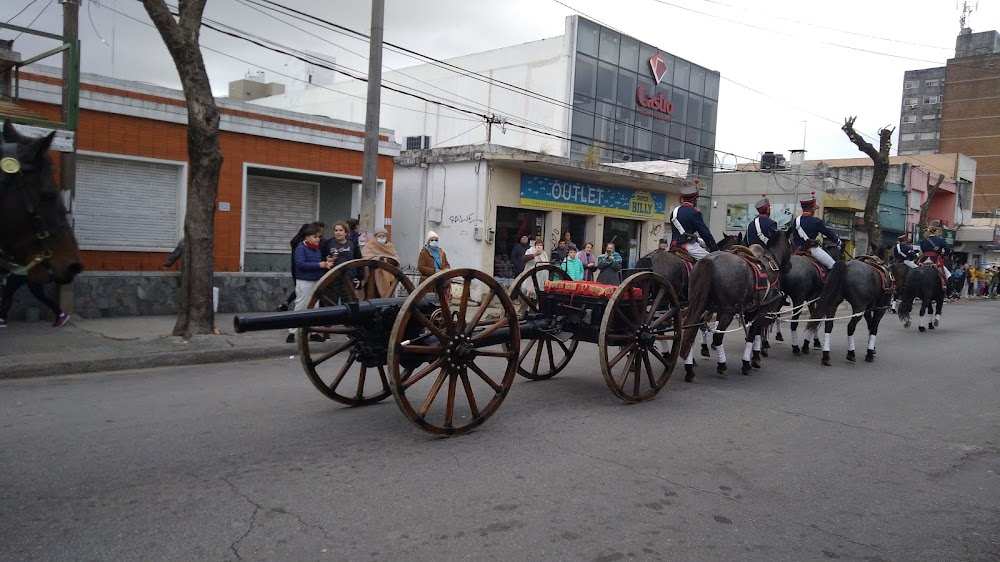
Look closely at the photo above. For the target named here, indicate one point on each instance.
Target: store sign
(657, 107)
(840, 222)
(658, 66)
(569, 195)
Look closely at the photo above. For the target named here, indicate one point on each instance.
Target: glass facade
(622, 113)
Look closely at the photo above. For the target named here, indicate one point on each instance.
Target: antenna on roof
(966, 10)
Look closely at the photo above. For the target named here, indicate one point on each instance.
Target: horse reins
(12, 169)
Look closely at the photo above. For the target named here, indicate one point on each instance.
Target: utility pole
(797, 158)
(369, 174)
(70, 107)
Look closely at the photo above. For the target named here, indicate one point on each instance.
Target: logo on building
(658, 66)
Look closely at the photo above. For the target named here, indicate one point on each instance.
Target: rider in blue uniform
(933, 247)
(687, 225)
(903, 253)
(763, 227)
(806, 229)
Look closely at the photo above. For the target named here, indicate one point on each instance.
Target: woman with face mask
(432, 258)
(381, 249)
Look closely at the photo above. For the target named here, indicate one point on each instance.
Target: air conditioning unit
(996, 213)
(912, 106)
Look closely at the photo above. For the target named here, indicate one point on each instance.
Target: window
(930, 99)
(110, 213)
(909, 119)
(932, 83)
(907, 137)
(911, 84)
(418, 143)
(929, 117)
(928, 136)
(910, 102)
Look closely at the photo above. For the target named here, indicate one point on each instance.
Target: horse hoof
(816, 342)
(930, 326)
(766, 345)
(796, 351)
(826, 358)
(907, 324)
(805, 348)
(779, 337)
(936, 323)
(704, 350)
(721, 368)
(850, 356)
(922, 329)
(746, 369)
(763, 352)
(870, 357)
(688, 373)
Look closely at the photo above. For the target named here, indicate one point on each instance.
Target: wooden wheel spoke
(343, 371)
(655, 305)
(463, 305)
(501, 322)
(560, 343)
(649, 370)
(423, 349)
(624, 351)
(326, 300)
(330, 354)
(385, 380)
(449, 412)
(486, 378)
(467, 385)
(660, 357)
(426, 323)
(645, 289)
(524, 353)
(493, 353)
(441, 289)
(552, 359)
(435, 389)
(633, 306)
(480, 311)
(619, 336)
(669, 314)
(637, 381)
(628, 369)
(621, 316)
(361, 381)
(665, 335)
(538, 357)
(413, 378)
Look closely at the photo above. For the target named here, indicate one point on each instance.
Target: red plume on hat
(810, 201)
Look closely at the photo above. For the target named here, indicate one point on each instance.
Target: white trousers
(695, 249)
(302, 291)
(910, 264)
(821, 256)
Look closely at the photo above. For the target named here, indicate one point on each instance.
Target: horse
(725, 283)
(36, 239)
(802, 285)
(924, 283)
(861, 285)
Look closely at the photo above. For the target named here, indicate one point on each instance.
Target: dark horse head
(36, 238)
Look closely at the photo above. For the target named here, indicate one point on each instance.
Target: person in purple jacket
(310, 265)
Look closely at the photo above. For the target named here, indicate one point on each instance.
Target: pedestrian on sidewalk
(12, 284)
(310, 265)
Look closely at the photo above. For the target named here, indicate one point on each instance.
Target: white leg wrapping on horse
(756, 343)
(937, 318)
(826, 342)
(689, 360)
(795, 337)
(920, 321)
(871, 342)
(704, 335)
(850, 343)
(722, 354)
(746, 350)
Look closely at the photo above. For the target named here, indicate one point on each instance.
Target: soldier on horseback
(932, 249)
(762, 228)
(806, 230)
(903, 253)
(687, 225)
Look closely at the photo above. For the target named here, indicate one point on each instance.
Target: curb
(146, 361)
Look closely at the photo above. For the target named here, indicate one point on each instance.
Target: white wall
(540, 66)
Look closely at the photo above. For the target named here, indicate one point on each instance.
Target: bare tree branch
(926, 205)
(880, 171)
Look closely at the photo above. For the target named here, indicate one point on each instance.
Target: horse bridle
(12, 169)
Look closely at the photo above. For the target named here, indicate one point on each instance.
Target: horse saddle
(819, 267)
(882, 268)
(759, 262)
(682, 253)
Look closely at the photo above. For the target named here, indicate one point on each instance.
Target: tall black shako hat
(690, 193)
(809, 202)
(764, 205)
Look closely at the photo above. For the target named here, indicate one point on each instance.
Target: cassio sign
(657, 107)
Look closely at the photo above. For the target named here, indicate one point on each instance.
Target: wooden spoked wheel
(640, 337)
(543, 357)
(450, 376)
(349, 366)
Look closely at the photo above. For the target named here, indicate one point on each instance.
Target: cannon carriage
(448, 349)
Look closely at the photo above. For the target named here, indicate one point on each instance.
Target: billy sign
(657, 107)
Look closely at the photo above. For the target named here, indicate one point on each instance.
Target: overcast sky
(789, 68)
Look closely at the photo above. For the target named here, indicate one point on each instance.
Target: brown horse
(36, 238)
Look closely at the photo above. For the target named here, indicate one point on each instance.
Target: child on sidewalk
(572, 265)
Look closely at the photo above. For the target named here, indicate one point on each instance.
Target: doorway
(576, 226)
(624, 233)
(511, 224)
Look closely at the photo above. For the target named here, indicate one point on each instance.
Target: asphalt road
(896, 460)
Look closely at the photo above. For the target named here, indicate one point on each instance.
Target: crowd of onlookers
(974, 281)
(579, 263)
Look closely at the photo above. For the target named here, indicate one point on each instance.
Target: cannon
(448, 349)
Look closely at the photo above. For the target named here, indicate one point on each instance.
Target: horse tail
(908, 293)
(699, 288)
(833, 289)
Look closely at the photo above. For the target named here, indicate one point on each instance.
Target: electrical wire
(32, 22)
(29, 4)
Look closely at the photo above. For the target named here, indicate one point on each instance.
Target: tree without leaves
(926, 205)
(181, 37)
(880, 158)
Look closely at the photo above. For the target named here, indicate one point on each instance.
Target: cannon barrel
(341, 314)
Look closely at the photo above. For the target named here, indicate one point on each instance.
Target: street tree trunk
(181, 36)
(880, 158)
(926, 205)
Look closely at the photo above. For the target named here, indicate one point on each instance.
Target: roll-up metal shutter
(276, 209)
(127, 204)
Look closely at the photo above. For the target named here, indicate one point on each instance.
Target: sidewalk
(33, 349)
